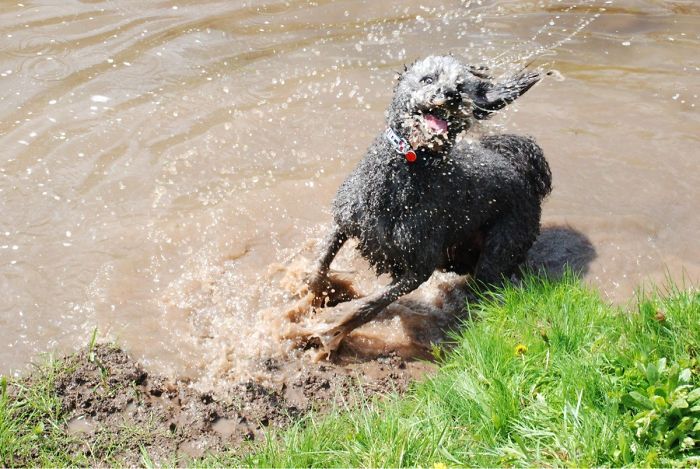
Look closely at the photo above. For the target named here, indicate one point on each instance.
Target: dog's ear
(400, 75)
(490, 97)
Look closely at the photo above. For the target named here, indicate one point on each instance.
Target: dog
(426, 198)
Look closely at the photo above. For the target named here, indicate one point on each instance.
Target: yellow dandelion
(439, 465)
(520, 349)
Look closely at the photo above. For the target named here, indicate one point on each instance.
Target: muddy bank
(116, 411)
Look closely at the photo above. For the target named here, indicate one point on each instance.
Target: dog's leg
(505, 248)
(318, 283)
(369, 308)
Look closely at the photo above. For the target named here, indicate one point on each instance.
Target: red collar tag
(400, 145)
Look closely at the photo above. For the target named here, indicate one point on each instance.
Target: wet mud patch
(116, 411)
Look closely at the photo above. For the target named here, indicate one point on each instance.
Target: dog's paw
(330, 290)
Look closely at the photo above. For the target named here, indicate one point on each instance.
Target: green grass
(549, 374)
(33, 425)
(32, 422)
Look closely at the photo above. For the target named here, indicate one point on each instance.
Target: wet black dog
(425, 197)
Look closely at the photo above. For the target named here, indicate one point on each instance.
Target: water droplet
(98, 98)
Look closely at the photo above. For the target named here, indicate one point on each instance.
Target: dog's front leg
(318, 282)
(369, 308)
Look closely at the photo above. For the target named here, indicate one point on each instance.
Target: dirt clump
(117, 411)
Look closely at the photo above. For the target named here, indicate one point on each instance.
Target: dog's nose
(445, 96)
(452, 95)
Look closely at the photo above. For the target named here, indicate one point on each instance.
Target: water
(167, 167)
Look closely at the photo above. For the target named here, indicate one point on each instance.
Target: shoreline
(548, 374)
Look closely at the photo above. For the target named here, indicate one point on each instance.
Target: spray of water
(268, 312)
(527, 51)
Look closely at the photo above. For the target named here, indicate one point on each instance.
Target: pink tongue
(436, 124)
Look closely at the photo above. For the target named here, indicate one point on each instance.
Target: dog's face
(438, 97)
(432, 102)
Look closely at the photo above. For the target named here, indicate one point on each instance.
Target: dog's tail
(527, 156)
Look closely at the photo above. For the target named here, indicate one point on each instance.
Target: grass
(549, 374)
(32, 424)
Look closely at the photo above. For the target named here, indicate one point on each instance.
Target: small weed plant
(665, 404)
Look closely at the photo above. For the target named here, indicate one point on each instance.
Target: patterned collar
(401, 145)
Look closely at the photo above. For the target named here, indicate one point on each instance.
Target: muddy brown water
(167, 167)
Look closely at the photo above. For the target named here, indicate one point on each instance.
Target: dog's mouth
(435, 124)
(429, 129)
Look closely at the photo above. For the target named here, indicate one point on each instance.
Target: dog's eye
(427, 80)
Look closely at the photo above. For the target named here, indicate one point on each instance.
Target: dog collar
(401, 145)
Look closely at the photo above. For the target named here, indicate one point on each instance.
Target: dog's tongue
(435, 123)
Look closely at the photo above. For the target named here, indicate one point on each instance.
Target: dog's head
(438, 97)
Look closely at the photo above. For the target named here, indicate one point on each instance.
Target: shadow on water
(426, 317)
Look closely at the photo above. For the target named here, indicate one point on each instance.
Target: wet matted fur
(431, 199)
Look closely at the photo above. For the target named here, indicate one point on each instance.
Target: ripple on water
(43, 58)
(47, 68)
(38, 46)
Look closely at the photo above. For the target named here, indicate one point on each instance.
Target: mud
(116, 410)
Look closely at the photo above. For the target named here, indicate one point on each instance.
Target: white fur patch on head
(447, 69)
(430, 100)
(442, 72)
